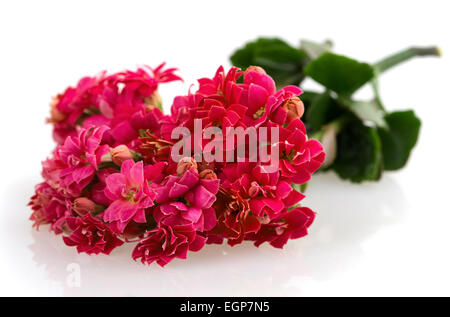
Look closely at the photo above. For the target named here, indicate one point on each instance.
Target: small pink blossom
(91, 235)
(166, 243)
(299, 157)
(268, 194)
(49, 207)
(130, 195)
(81, 156)
(186, 200)
(292, 224)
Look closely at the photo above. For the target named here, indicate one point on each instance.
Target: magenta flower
(221, 101)
(166, 243)
(98, 188)
(123, 101)
(49, 207)
(235, 220)
(186, 200)
(299, 157)
(51, 169)
(216, 102)
(268, 194)
(81, 156)
(292, 224)
(91, 235)
(108, 121)
(68, 107)
(130, 196)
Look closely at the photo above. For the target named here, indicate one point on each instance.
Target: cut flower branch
(112, 178)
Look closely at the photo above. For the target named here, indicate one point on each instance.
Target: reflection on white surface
(334, 244)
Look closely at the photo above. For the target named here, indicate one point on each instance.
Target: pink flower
(68, 107)
(51, 168)
(268, 194)
(126, 101)
(108, 121)
(81, 156)
(221, 101)
(98, 189)
(130, 196)
(299, 157)
(154, 149)
(291, 225)
(234, 221)
(49, 207)
(186, 200)
(91, 235)
(166, 243)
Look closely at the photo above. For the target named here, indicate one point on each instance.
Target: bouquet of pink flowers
(227, 163)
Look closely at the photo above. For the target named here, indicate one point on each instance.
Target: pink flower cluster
(111, 178)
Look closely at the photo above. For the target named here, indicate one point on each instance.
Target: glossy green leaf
(339, 73)
(322, 110)
(280, 60)
(359, 154)
(368, 111)
(399, 138)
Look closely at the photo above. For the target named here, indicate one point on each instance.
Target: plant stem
(337, 124)
(405, 55)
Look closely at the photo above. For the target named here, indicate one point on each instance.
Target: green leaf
(359, 154)
(399, 138)
(280, 60)
(321, 111)
(339, 73)
(368, 111)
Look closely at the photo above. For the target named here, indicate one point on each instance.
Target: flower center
(259, 113)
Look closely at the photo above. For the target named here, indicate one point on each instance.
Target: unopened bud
(154, 101)
(257, 69)
(83, 206)
(185, 164)
(294, 108)
(55, 114)
(207, 174)
(120, 154)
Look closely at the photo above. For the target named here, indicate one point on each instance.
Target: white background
(386, 238)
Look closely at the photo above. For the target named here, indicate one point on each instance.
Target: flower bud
(83, 206)
(120, 154)
(55, 114)
(207, 174)
(294, 108)
(154, 101)
(185, 164)
(257, 69)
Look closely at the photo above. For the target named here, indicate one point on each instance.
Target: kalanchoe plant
(114, 178)
(361, 138)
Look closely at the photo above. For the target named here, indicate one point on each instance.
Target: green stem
(405, 55)
(337, 125)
